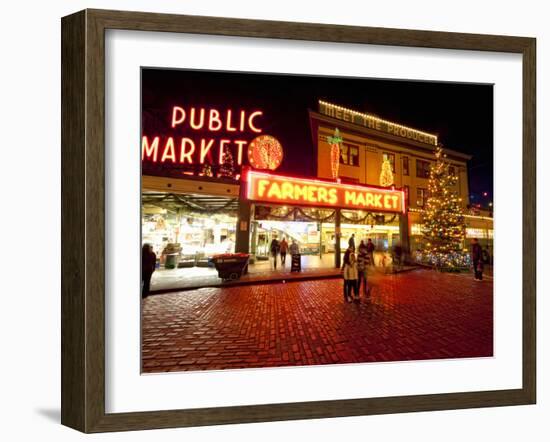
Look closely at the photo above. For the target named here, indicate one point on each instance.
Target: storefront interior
(314, 231)
(185, 231)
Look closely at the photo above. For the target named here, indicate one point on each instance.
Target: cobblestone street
(410, 316)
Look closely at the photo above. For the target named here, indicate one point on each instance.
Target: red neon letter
(169, 151)
(214, 118)
(192, 119)
(205, 148)
(240, 144)
(251, 119)
(229, 127)
(149, 150)
(175, 118)
(242, 120)
(222, 144)
(186, 154)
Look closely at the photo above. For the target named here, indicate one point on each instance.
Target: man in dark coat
(370, 251)
(274, 249)
(351, 242)
(148, 264)
(477, 260)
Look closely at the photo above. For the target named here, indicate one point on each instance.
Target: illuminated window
(479, 233)
(422, 169)
(416, 229)
(405, 165)
(391, 158)
(421, 197)
(349, 155)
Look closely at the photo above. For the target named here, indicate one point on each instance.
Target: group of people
(281, 248)
(355, 269)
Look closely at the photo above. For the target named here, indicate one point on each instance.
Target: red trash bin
(231, 266)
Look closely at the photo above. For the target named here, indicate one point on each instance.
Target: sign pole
(337, 235)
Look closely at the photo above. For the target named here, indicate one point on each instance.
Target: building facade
(194, 214)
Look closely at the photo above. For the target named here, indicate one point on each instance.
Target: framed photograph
(268, 221)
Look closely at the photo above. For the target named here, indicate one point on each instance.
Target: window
(405, 165)
(422, 169)
(349, 155)
(407, 194)
(391, 158)
(421, 197)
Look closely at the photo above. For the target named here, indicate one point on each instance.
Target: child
(350, 278)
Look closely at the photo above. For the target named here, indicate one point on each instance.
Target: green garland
(190, 204)
(296, 212)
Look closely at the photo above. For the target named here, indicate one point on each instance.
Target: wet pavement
(409, 316)
(312, 266)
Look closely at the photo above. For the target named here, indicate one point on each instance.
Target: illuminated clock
(265, 152)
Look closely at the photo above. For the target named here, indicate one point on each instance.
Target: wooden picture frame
(83, 220)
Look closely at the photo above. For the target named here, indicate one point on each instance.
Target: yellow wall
(370, 163)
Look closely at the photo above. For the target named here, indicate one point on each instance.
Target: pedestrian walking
(148, 265)
(283, 250)
(477, 260)
(397, 255)
(370, 251)
(351, 242)
(350, 278)
(362, 269)
(274, 249)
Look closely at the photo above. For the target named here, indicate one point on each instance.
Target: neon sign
(268, 188)
(265, 152)
(208, 134)
(376, 123)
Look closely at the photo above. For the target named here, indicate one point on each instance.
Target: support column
(254, 238)
(242, 240)
(320, 227)
(404, 234)
(337, 236)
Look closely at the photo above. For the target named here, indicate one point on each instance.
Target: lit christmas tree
(227, 168)
(386, 175)
(442, 219)
(206, 170)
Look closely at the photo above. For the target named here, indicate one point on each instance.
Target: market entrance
(321, 216)
(314, 231)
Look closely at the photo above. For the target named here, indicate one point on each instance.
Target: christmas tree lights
(227, 168)
(386, 174)
(443, 224)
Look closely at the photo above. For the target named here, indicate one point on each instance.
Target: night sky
(460, 114)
